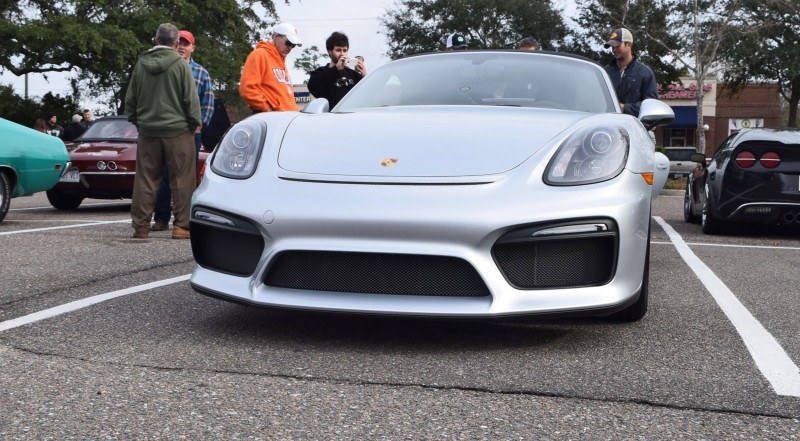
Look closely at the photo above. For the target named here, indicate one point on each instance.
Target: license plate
(72, 175)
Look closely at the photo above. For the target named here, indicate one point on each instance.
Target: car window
(484, 78)
(115, 128)
(680, 154)
(724, 151)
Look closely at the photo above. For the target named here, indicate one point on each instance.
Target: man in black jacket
(335, 79)
(633, 80)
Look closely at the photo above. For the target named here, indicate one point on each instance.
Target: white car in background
(680, 161)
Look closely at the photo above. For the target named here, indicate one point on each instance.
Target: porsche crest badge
(388, 162)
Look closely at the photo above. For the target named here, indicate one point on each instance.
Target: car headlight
(592, 154)
(238, 153)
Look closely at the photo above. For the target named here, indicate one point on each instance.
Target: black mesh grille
(226, 250)
(375, 273)
(557, 263)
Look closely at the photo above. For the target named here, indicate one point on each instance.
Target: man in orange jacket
(265, 84)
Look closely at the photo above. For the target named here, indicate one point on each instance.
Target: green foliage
(418, 26)
(767, 48)
(99, 41)
(647, 21)
(308, 61)
(25, 111)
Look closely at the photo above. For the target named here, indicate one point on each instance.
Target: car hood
(102, 149)
(419, 142)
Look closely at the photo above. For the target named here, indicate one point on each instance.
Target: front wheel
(63, 201)
(688, 211)
(710, 224)
(5, 195)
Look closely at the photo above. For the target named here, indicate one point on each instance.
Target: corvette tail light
(770, 160)
(745, 159)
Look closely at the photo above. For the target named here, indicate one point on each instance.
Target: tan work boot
(180, 233)
(141, 234)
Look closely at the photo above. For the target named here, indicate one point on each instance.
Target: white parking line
(771, 359)
(83, 303)
(705, 244)
(50, 207)
(33, 230)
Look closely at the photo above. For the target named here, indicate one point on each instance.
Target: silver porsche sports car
(472, 184)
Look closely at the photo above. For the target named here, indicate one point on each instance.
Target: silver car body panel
(315, 190)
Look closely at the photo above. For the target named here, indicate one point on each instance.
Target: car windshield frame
(108, 129)
(489, 78)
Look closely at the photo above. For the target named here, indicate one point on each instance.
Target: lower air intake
(375, 273)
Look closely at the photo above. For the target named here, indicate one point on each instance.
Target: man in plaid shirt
(206, 93)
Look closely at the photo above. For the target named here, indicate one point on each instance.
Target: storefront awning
(685, 117)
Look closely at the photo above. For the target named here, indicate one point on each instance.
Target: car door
(712, 178)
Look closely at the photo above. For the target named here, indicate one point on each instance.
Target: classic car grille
(228, 250)
(573, 260)
(375, 273)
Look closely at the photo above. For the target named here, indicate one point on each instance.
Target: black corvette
(753, 178)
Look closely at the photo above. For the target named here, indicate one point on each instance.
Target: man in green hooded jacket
(162, 102)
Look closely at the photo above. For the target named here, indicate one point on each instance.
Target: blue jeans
(163, 209)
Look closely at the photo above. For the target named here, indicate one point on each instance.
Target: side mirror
(654, 113)
(699, 158)
(319, 105)
(661, 173)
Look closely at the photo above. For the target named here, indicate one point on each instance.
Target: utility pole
(26, 86)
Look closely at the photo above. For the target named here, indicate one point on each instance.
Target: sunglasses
(288, 43)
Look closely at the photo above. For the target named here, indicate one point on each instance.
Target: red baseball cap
(186, 35)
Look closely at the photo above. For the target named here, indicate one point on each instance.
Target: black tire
(638, 310)
(688, 210)
(63, 201)
(710, 224)
(5, 195)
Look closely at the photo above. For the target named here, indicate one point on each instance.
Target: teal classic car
(30, 161)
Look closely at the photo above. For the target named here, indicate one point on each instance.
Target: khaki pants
(178, 154)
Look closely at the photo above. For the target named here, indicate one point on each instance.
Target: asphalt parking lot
(102, 337)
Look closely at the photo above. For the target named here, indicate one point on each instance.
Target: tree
(100, 41)
(768, 51)
(25, 111)
(597, 18)
(308, 61)
(418, 26)
(690, 36)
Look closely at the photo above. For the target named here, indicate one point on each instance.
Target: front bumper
(464, 222)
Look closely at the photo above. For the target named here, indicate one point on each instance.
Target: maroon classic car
(103, 164)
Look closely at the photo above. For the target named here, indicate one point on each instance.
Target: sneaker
(180, 233)
(141, 234)
(159, 226)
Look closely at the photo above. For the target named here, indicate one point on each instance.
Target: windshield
(680, 154)
(112, 128)
(484, 78)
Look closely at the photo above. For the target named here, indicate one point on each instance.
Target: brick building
(757, 105)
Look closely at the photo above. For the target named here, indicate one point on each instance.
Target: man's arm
(321, 80)
(206, 94)
(648, 89)
(190, 98)
(131, 98)
(250, 82)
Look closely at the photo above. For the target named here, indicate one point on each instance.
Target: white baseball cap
(288, 31)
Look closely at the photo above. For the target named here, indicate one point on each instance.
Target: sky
(314, 20)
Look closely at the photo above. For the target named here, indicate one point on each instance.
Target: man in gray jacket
(162, 102)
